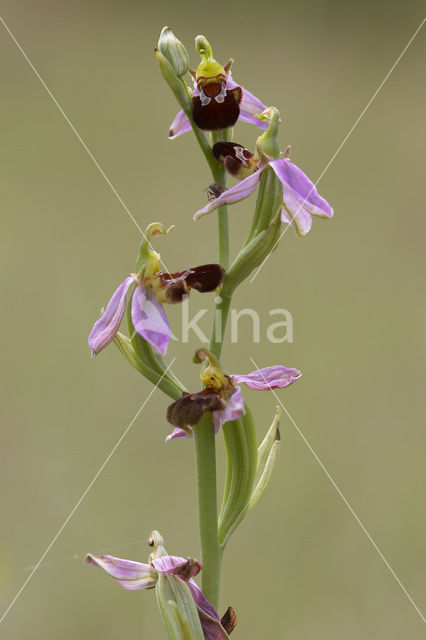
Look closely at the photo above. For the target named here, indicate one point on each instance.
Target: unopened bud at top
(174, 51)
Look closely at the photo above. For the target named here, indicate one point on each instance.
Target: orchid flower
(223, 397)
(134, 576)
(301, 199)
(148, 315)
(153, 288)
(217, 101)
(250, 109)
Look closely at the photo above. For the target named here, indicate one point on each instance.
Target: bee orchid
(301, 199)
(217, 101)
(135, 576)
(249, 109)
(222, 394)
(153, 289)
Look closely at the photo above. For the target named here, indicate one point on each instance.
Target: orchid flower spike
(301, 199)
(134, 576)
(222, 394)
(153, 289)
(218, 102)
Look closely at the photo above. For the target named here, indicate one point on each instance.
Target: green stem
(204, 436)
(219, 176)
(222, 302)
(204, 145)
(220, 317)
(218, 173)
(223, 228)
(205, 451)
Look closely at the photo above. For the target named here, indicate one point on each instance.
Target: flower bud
(266, 457)
(175, 82)
(174, 51)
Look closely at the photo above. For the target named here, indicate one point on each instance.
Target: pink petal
(179, 433)
(236, 193)
(230, 82)
(106, 327)
(209, 618)
(169, 564)
(285, 216)
(216, 421)
(179, 126)
(245, 116)
(150, 320)
(201, 600)
(251, 104)
(234, 409)
(130, 575)
(300, 194)
(296, 216)
(275, 377)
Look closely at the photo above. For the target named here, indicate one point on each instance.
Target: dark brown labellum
(214, 115)
(190, 408)
(229, 620)
(222, 150)
(205, 278)
(235, 157)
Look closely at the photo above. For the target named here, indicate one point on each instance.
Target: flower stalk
(219, 177)
(205, 455)
(285, 195)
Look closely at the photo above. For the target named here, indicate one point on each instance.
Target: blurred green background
(300, 566)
